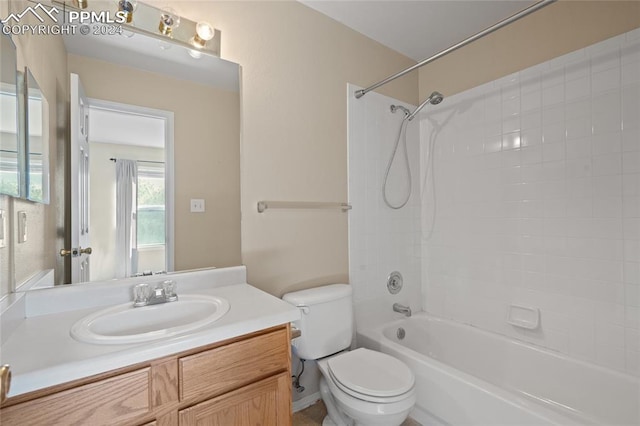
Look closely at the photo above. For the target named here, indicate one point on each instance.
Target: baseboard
(305, 402)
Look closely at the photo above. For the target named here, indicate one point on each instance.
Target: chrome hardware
(5, 381)
(402, 309)
(295, 333)
(394, 282)
(75, 252)
(304, 309)
(264, 205)
(151, 294)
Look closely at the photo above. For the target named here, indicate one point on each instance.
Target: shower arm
(360, 93)
(417, 110)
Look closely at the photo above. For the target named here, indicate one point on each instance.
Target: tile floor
(313, 415)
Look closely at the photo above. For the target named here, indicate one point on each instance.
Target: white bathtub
(468, 376)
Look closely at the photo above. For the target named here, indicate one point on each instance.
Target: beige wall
(206, 154)
(557, 29)
(296, 64)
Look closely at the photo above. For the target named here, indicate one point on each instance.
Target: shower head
(394, 108)
(434, 99)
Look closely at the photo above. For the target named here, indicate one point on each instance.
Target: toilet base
(327, 421)
(334, 415)
(339, 414)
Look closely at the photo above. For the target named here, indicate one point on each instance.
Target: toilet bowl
(367, 388)
(359, 387)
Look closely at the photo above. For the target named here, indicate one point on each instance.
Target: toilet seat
(371, 376)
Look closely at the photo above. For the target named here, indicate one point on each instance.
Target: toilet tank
(326, 320)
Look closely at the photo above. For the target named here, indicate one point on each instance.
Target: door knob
(75, 252)
(5, 381)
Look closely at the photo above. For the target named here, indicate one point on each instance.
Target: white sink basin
(125, 324)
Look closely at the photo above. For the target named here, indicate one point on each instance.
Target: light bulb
(204, 33)
(128, 7)
(169, 20)
(81, 4)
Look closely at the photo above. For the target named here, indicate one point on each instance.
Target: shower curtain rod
(360, 93)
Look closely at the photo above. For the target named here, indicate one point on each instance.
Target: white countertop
(42, 353)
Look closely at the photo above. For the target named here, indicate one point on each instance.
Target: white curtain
(126, 208)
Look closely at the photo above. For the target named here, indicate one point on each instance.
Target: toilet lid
(371, 373)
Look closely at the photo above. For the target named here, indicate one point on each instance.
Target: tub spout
(402, 309)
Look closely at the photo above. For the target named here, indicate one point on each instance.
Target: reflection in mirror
(37, 142)
(142, 76)
(140, 96)
(10, 155)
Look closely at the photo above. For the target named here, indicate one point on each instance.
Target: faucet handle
(141, 293)
(170, 287)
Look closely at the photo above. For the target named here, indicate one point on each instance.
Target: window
(151, 211)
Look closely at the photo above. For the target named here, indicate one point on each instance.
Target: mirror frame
(31, 89)
(20, 123)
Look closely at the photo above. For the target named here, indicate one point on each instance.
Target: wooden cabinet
(241, 381)
(261, 403)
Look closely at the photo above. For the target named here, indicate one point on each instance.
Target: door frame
(169, 171)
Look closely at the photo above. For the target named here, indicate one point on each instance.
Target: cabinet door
(266, 403)
(112, 401)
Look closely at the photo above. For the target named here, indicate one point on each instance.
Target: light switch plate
(22, 227)
(3, 228)
(197, 205)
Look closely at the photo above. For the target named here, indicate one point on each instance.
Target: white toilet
(359, 387)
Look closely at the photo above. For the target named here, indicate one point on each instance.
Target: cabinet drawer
(228, 367)
(115, 400)
(267, 402)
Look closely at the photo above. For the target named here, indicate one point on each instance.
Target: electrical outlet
(197, 205)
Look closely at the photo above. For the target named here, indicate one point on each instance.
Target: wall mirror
(36, 141)
(167, 118)
(10, 143)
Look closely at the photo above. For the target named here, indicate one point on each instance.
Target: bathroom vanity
(233, 371)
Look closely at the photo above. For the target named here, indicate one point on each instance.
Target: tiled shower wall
(381, 240)
(537, 179)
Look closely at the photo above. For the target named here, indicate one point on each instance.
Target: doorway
(142, 242)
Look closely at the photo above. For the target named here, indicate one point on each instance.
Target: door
(80, 241)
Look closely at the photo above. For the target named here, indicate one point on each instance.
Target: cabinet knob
(5, 381)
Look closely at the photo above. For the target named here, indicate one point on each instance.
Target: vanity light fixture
(204, 33)
(81, 4)
(128, 7)
(169, 20)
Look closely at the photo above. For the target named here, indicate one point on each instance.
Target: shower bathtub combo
(465, 375)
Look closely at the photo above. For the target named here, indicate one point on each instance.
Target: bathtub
(468, 376)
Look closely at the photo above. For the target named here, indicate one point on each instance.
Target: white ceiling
(108, 126)
(418, 29)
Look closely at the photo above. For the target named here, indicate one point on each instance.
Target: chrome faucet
(402, 309)
(150, 294)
